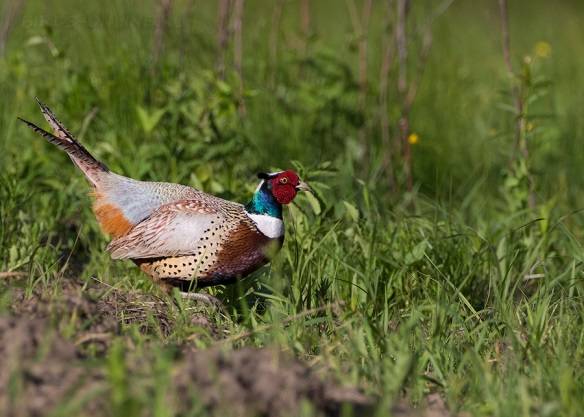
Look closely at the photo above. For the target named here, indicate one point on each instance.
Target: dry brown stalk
(402, 44)
(160, 30)
(388, 56)
(93, 337)
(274, 37)
(424, 53)
(361, 30)
(506, 39)
(520, 142)
(305, 34)
(12, 274)
(407, 86)
(404, 121)
(185, 24)
(238, 49)
(305, 17)
(225, 7)
(11, 12)
(363, 46)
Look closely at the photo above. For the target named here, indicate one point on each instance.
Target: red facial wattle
(284, 186)
(284, 194)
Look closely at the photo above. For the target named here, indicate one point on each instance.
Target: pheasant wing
(174, 229)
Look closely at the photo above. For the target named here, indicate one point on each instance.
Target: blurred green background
(468, 281)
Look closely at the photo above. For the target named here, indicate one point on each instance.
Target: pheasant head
(274, 190)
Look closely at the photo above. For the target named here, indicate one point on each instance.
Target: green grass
(456, 288)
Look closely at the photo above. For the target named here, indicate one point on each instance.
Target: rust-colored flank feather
(110, 218)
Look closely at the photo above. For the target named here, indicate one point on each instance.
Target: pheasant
(180, 236)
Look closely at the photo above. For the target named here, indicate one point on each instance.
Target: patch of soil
(39, 368)
(258, 382)
(97, 312)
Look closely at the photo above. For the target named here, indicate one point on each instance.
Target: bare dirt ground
(53, 367)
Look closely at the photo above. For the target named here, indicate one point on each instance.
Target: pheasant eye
(284, 180)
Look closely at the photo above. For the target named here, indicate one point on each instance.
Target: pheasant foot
(205, 298)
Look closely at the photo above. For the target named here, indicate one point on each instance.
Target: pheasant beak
(302, 186)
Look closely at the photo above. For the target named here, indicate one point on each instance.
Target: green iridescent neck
(263, 202)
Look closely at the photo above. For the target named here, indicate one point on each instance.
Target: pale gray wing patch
(140, 199)
(173, 230)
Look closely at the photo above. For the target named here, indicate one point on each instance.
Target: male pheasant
(180, 236)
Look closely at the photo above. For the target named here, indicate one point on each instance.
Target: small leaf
(223, 87)
(313, 203)
(149, 121)
(318, 186)
(417, 253)
(351, 210)
(35, 40)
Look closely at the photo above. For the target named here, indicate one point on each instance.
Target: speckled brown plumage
(228, 246)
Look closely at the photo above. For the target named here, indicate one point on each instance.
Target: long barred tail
(91, 167)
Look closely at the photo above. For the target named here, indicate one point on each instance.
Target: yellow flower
(543, 49)
(413, 138)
